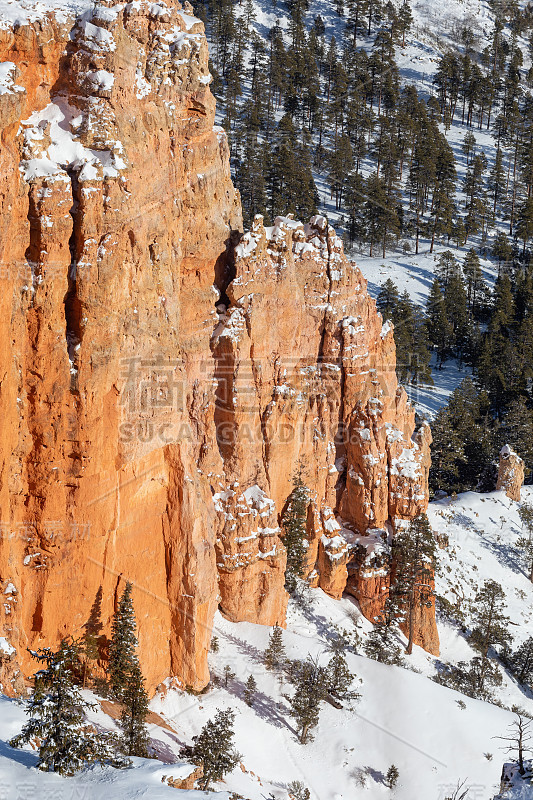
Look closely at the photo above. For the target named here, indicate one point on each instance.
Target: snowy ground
(402, 718)
(415, 274)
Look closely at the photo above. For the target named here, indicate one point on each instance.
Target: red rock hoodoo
(158, 385)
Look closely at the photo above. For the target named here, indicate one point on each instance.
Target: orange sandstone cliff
(159, 382)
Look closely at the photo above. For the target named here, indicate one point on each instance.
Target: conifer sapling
(213, 748)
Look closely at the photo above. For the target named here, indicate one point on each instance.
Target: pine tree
(134, 712)
(213, 748)
(294, 523)
(380, 646)
(501, 249)
(489, 625)
(215, 647)
(473, 279)
(497, 180)
(57, 720)
(93, 629)
(516, 430)
(495, 365)
(412, 346)
(463, 443)
(380, 213)
(446, 268)
(340, 678)
(521, 662)
(388, 299)
(311, 686)
(228, 675)
(392, 776)
(123, 643)
(439, 329)
(275, 652)
(414, 559)
(405, 20)
(524, 223)
(469, 146)
(525, 543)
(250, 690)
(455, 305)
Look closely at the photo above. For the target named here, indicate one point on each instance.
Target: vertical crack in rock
(73, 329)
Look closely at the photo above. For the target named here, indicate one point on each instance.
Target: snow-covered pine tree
(340, 679)
(391, 778)
(380, 646)
(250, 690)
(294, 523)
(213, 748)
(311, 688)
(414, 557)
(57, 719)
(275, 652)
(134, 700)
(123, 643)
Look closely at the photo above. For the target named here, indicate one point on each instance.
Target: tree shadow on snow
(376, 775)
(163, 752)
(264, 706)
(23, 757)
(245, 647)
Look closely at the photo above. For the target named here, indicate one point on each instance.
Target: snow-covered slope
(24, 11)
(435, 736)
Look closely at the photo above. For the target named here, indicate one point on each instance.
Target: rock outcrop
(158, 386)
(510, 473)
(307, 375)
(117, 207)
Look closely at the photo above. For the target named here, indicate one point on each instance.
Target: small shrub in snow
(360, 777)
(215, 647)
(298, 791)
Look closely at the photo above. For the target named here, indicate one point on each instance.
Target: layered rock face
(307, 377)
(158, 387)
(117, 206)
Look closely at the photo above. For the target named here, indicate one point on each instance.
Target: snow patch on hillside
(22, 12)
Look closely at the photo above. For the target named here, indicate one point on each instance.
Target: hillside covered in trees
(413, 132)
